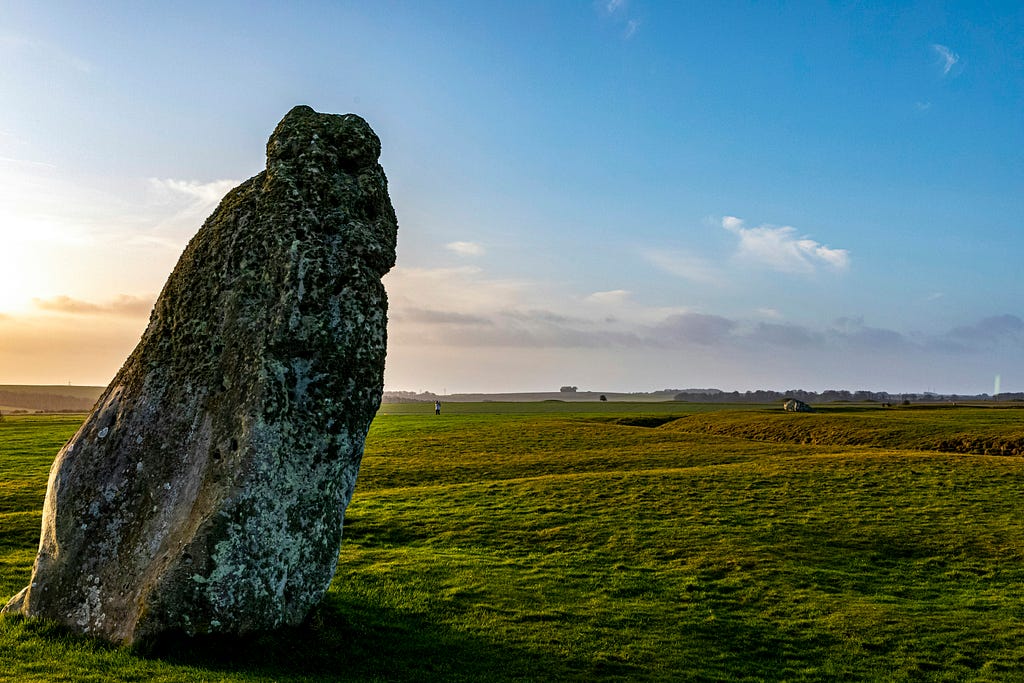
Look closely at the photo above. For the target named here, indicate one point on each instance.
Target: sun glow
(16, 281)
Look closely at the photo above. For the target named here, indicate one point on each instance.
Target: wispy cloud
(784, 335)
(123, 305)
(23, 162)
(452, 314)
(464, 307)
(619, 13)
(612, 297)
(851, 332)
(63, 231)
(947, 58)
(692, 328)
(176, 208)
(990, 331)
(685, 265)
(465, 248)
(783, 249)
(205, 193)
(464, 290)
(435, 317)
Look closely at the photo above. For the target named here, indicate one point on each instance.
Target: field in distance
(15, 398)
(622, 542)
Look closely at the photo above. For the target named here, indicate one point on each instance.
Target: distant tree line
(409, 397)
(50, 403)
(830, 396)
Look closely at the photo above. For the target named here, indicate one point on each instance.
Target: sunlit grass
(502, 542)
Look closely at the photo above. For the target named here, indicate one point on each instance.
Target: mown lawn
(562, 542)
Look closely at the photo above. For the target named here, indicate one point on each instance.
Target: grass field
(610, 541)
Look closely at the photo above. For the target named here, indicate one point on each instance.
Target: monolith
(206, 491)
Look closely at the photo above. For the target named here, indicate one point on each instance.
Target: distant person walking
(437, 407)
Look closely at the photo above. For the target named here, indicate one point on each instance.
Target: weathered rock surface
(206, 491)
(795, 405)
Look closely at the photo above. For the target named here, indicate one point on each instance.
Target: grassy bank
(559, 541)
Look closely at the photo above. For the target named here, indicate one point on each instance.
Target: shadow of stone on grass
(345, 640)
(378, 533)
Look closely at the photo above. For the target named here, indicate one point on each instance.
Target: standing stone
(206, 491)
(795, 405)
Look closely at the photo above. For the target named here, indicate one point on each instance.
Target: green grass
(989, 431)
(558, 541)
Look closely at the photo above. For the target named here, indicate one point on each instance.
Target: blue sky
(620, 195)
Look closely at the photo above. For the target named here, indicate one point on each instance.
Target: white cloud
(465, 248)
(613, 6)
(613, 297)
(632, 26)
(685, 265)
(732, 223)
(947, 58)
(782, 249)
